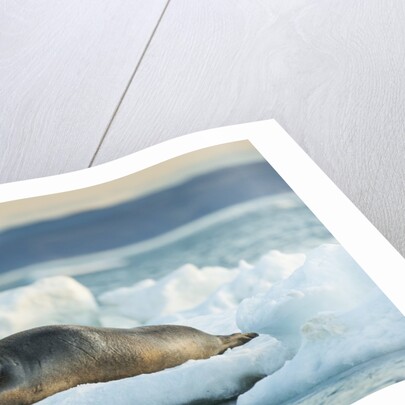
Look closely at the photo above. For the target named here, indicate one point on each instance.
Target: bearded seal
(40, 362)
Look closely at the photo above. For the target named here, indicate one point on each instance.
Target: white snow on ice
(183, 289)
(54, 300)
(317, 315)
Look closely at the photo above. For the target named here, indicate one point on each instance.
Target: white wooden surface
(331, 72)
(63, 67)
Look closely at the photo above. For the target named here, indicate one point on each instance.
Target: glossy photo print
(203, 279)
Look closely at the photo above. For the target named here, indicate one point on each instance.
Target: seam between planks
(128, 85)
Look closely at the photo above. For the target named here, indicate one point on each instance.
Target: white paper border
(378, 258)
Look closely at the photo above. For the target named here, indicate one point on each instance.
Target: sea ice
(180, 290)
(317, 314)
(53, 300)
(333, 342)
(329, 280)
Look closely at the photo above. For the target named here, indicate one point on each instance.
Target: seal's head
(4, 375)
(9, 385)
(4, 382)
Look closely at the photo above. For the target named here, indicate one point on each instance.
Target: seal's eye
(1, 374)
(4, 375)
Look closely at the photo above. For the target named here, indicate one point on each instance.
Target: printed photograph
(201, 280)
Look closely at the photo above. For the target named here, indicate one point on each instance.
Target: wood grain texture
(331, 72)
(63, 67)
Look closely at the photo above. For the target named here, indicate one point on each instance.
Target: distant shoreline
(137, 220)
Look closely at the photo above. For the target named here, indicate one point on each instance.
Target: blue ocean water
(240, 232)
(135, 219)
(246, 231)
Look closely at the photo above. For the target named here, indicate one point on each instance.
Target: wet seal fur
(40, 362)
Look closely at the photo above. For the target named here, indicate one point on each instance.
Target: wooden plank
(64, 66)
(330, 72)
